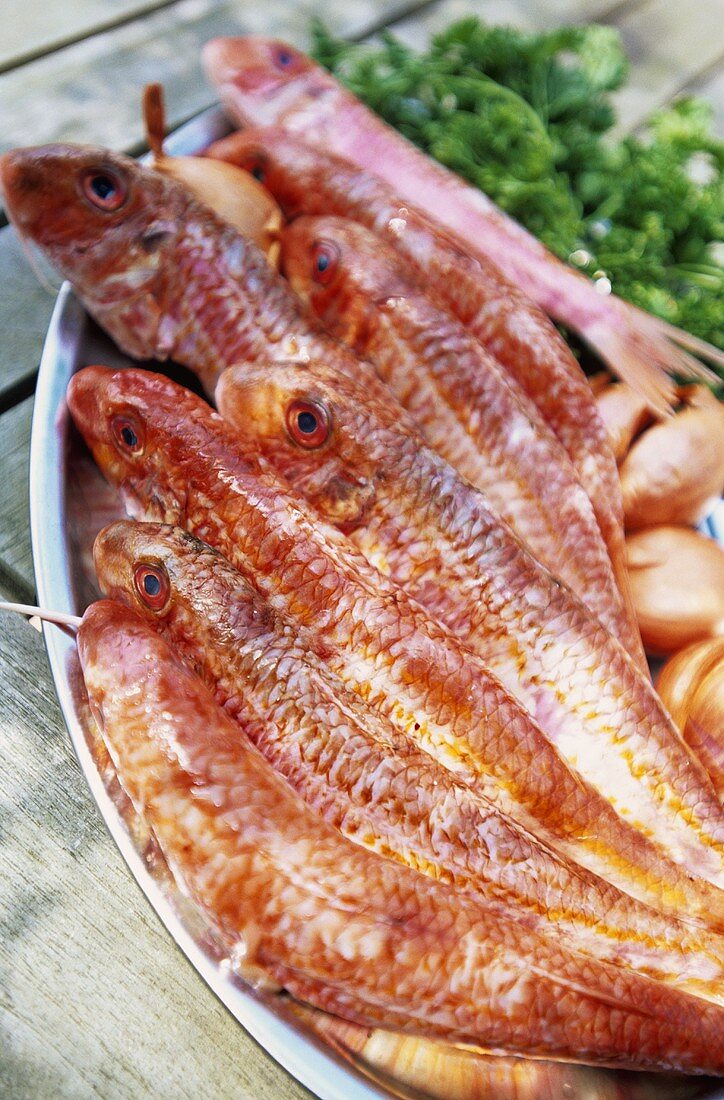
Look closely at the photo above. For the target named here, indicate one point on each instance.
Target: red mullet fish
(418, 522)
(306, 179)
(177, 461)
(461, 400)
(263, 81)
(357, 771)
(338, 927)
(166, 278)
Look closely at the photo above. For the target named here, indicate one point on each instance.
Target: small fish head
(313, 425)
(102, 220)
(151, 567)
(276, 159)
(343, 273)
(113, 646)
(182, 586)
(258, 78)
(140, 428)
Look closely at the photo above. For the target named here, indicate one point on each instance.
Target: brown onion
(624, 414)
(677, 585)
(691, 685)
(674, 473)
(230, 192)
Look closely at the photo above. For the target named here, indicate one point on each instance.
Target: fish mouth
(16, 178)
(8, 166)
(82, 396)
(24, 179)
(236, 66)
(231, 63)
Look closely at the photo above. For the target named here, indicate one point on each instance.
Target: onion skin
(691, 686)
(624, 414)
(234, 195)
(231, 193)
(674, 473)
(677, 584)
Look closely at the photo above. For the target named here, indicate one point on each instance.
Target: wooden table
(95, 1000)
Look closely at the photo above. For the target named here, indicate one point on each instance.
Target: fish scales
(306, 178)
(265, 81)
(162, 275)
(45, 204)
(337, 926)
(192, 470)
(362, 776)
(416, 520)
(452, 388)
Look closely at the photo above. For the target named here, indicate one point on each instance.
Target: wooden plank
(25, 308)
(668, 46)
(90, 92)
(37, 26)
(531, 15)
(96, 999)
(15, 552)
(711, 88)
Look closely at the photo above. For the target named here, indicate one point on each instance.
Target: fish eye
(128, 434)
(325, 260)
(152, 585)
(104, 189)
(285, 58)
(308, 423)
(255, 164)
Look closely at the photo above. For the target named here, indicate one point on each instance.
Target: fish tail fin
(649, 354)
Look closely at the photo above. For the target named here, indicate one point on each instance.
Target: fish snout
(83, 397)
(112, 549)
(222, 58)
(253, 64)
(21, 179)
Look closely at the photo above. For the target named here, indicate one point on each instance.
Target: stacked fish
(390, 721)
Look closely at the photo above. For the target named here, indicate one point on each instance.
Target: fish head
(280, 161)
(344, 273)
(101, 219)
(260, 79)
(315, 426)
(151, 567)
(179, 584)
(145, 433)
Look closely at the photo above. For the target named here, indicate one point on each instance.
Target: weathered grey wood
(96, 999)
(668, 44)
(711, 88)
(25, 308)
(523, 14)
(90, 92)
(14, 525)
(42, 26)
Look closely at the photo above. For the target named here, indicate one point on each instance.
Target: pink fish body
(355, 769)
(413, 518)
(460, 398)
